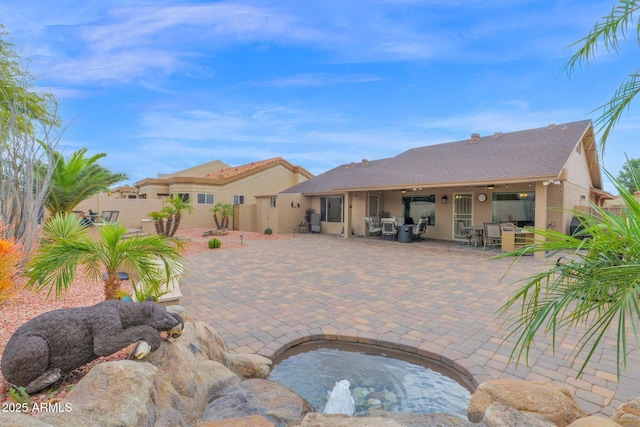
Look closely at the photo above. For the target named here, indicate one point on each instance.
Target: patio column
(348, 201)
(541, 211)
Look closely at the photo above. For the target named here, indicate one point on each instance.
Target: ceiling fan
(488, 186)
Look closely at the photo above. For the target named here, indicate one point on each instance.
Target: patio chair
(84, 220)
(95, 217)
(110, 216)
(372, 229)
(389, 228)
(492, 235)
(420, 229)
(465, 232)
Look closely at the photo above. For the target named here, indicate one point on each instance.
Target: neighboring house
(527, 177)
(124, 192)
(204, 186)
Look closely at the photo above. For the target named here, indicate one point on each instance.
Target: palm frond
(611, 112)
(606, 31)
(594, 286)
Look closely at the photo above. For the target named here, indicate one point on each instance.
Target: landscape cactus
(214, 243)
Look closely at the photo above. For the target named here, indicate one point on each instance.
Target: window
(331, 209)
(518, 208)
(205, 199)
(272, 202)
(238, 199)
(416, 207)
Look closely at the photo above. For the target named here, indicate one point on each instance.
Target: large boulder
(262, 397)
(205, 343)
(628, 414)
(514, 402)
(378, 418)
(419, 420)
(594, 421)
(19, 419)
(340, 420)
(250, 421)
(116, 393)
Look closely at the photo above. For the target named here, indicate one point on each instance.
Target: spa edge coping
(446, 361)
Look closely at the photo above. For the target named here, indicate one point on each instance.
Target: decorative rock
(251, 421)
(259, 397)
(594, 421)
(223, 232)
(337, 420)
(550, 402)
(248, 365)
(628, 414)
(121, 390)
(206, 344)
(212, 232)
(22, 420)
(420, 420)
(374, 403)
(499, 414)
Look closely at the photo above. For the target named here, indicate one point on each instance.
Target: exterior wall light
(444, 200)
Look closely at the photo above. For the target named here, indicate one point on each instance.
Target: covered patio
(530, 178)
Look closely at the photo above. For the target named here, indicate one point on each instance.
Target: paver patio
(430, 298)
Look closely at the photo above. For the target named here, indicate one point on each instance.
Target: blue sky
(164, 85)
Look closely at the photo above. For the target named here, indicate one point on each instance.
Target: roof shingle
(526, 154)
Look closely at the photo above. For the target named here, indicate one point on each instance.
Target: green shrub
(214, 243)
(268, 231)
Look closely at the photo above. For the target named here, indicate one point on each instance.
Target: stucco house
(528, 177)
(204, 186)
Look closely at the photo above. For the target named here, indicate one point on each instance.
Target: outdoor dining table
(478, 231)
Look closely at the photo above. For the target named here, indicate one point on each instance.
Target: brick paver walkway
(429, 298)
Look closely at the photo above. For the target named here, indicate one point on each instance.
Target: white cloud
(320, 79)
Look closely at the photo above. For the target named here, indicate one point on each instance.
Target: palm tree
(167, 220)
(67, 245)
(77, 179)
(606, 32)
(595, 283)
(598, 283)
(174, 211)
(158, 217)
(225, 210)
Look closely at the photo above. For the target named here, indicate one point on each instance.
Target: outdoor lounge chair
(420, 229)
(372, 230)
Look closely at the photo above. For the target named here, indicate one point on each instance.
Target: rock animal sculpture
(59, 341)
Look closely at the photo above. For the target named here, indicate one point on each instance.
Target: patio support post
(348, 196)
(540, 211)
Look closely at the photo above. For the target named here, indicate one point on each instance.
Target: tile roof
(239, 170)
(527, 154)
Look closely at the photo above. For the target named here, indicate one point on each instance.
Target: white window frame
(238, 199)
(205, 197)
(272, 202)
